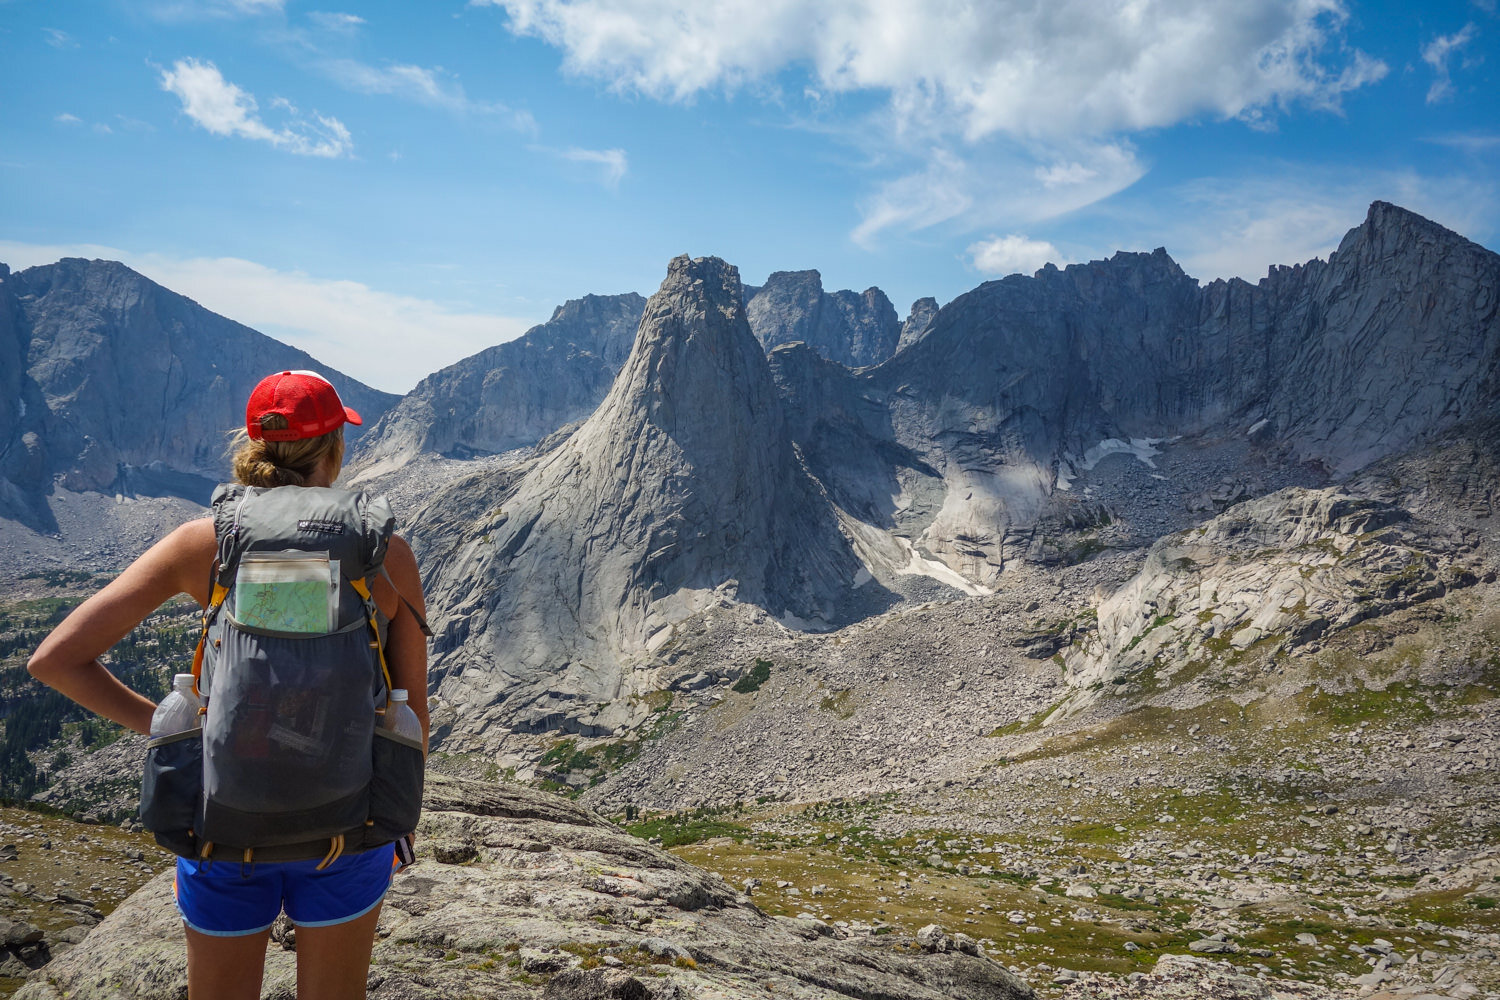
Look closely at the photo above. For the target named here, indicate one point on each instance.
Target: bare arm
(68, 659)
(406, 652)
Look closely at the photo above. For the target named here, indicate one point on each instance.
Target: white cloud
(1036, 68)
(335, 21)
(385, 340)
(1468, 142)
(224, 109)
(1435, 54)
(613, 161)
(1002, 255)
(59, 39)
(995, 111)
(68, 119)
(433, 87)
(996, 183)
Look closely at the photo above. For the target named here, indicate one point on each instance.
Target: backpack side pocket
(395, 787)
(172, 790)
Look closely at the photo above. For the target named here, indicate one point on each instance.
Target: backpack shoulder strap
(228, 502)
(421, 621)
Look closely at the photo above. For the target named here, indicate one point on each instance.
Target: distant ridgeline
(115, 384)
(798, 450)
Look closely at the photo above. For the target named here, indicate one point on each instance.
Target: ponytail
(283, 463)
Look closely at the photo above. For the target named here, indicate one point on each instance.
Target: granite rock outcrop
(521, 894)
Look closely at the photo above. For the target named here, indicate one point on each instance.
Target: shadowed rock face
(1331, 364)
(683, 489)
(504, 870)
(514, 394)
(854, 329)
(117, 384)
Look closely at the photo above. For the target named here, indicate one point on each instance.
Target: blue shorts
(227, 899)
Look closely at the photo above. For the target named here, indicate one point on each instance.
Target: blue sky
(393, 186)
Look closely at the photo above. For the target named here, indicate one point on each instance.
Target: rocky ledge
(522, 894)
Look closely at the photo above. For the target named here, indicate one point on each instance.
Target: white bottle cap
(182, 682)
(397, 694)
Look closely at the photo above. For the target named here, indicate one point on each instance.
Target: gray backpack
(290, 762)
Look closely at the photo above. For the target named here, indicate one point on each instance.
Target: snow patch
(919, 565)
(1142, 448)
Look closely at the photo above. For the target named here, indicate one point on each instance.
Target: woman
(227, 909)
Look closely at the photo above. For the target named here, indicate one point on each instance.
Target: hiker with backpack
(291, 774)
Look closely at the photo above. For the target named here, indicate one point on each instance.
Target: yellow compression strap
(363, 591)
(214, 601)
(335, 848)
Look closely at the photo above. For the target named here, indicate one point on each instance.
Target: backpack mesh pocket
(395, 787)
(172, 789)
(287, 737)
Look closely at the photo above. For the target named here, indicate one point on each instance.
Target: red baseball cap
(309, 402)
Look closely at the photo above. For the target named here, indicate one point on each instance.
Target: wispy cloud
(430, 86)
(68, 119)
(613, 162)
(59, 39)
(383, 339)
(1290, 213)
(995, 183)
(1001, 255)
(224, 109)
(334, 21)
(1435, 54)
(1468, 142)
(195, 10)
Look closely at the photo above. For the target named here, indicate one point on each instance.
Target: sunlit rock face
(683, 489)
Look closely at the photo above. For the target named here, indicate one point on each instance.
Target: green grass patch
(752, 680)
(680, 829)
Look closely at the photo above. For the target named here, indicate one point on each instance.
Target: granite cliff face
(682, 491)
(853, 329)
(116, 384)
(511, 395)
(1023, 385)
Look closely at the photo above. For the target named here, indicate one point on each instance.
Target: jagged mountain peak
(853, 328)
(1391, 230)
(695, 343)
(682, 490)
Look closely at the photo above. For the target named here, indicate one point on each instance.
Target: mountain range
(1123, 614)
(782, 447)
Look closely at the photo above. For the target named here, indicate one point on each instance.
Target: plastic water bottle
(178, 711)
(400, 719)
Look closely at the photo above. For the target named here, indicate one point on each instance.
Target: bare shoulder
(401, 563)
(180, 562)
